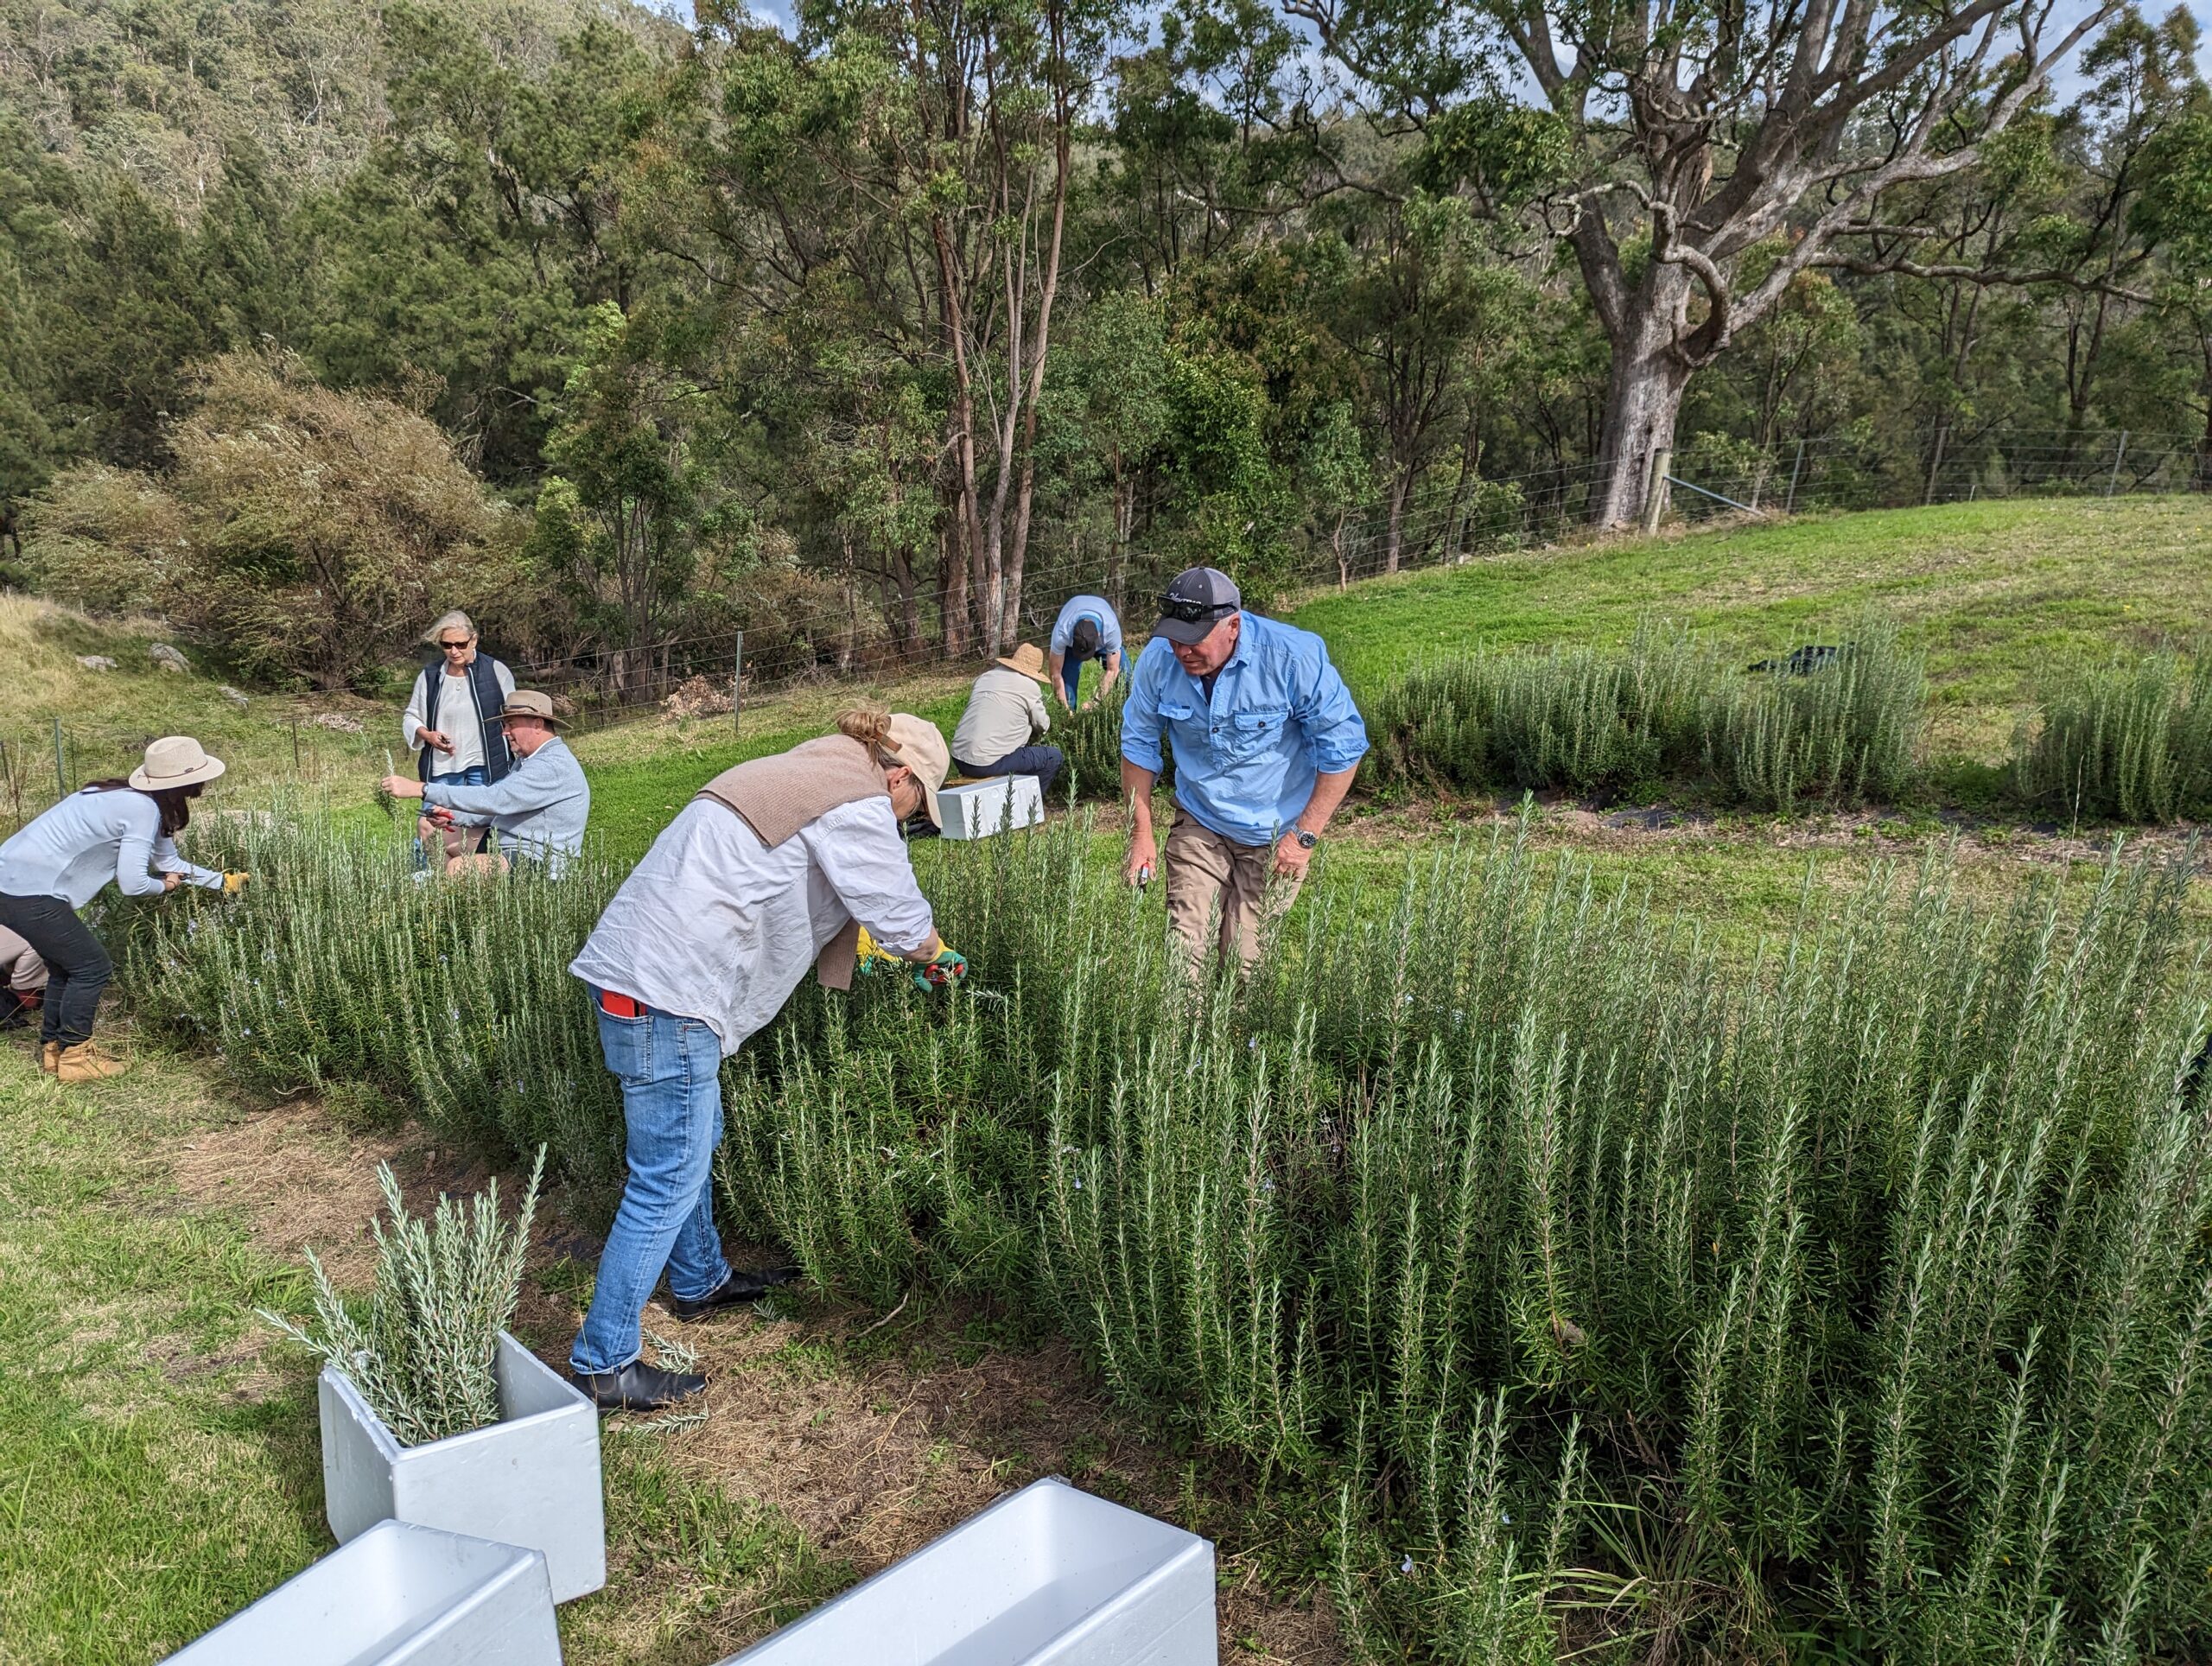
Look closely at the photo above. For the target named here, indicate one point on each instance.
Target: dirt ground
(871, 1444)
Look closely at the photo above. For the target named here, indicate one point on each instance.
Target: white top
(90, 838)
(1004, 712)
(456, 696)
(715, 925)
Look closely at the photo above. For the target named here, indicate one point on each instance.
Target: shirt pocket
(1243, 735)
(1174, 712)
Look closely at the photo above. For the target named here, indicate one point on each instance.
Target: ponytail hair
(870, 725)
(174, 803)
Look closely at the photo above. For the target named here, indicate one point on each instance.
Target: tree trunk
(1393, 532)
(1644, 396)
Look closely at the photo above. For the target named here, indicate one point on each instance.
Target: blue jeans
(1043, 762)
(472, 776)
(1071, 679)
(670, 1072)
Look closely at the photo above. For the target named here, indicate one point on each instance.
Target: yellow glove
(234, 882)
(871, 957)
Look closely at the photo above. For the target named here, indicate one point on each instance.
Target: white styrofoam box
(1046, 1577)
(397, 1596)
(976, 809)
(532, 1479)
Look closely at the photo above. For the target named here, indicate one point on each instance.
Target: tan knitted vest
(776, 795)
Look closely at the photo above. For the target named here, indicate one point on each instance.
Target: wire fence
(867, 628)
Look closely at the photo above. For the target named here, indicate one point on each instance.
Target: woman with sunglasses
(452, 725)
(124, 830)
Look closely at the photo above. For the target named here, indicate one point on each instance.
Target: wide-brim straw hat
(1029, 660)
(529, 702)
(917, 743)
(173, 762)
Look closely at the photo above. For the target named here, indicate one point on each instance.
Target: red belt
(621, 1006)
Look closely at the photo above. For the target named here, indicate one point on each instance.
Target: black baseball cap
(1195, 600)
(1083, 639)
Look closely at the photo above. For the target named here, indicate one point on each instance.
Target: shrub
(1852, 1301)
(2129, 743)
(304, 534)
(1662, 709)
(423, 1356)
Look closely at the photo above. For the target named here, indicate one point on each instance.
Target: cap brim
(928, 804)
(544, 717)
(1186, 630)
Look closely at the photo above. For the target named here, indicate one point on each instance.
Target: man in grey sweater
(1005, 714)
(539, 808)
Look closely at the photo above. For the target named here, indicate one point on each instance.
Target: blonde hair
(870, 725)
(454, 620)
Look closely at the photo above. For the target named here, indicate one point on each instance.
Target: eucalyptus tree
(1673, 136)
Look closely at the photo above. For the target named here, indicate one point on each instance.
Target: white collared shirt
(715, 926)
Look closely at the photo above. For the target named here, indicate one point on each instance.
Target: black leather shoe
(636, 1386)
(736, 1288)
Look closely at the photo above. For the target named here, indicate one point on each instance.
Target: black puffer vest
(484, 684)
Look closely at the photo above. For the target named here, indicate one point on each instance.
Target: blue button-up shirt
(1245, 761)
(540, 809)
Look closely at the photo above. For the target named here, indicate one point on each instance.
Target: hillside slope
(1997, 595)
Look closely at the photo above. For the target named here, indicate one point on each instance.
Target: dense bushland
(2126, 742)
(1852, 1302)
(1663, 711)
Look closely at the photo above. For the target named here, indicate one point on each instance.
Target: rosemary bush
(423, 1355)
(2127, 743)
(1607, 1294)
(1664, 710)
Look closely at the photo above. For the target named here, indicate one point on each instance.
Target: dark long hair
(175, 802)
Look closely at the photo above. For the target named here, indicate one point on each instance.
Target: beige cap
(529, 702)
(918, 744)
(174, 761)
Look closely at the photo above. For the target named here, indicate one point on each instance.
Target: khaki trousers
(1221, 896)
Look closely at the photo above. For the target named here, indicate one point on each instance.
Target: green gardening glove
(947, 970)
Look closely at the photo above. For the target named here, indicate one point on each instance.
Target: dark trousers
(77, 969)
(1043, 762)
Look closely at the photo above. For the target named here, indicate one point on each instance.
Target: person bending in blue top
(1087, 629)
(1266, 738)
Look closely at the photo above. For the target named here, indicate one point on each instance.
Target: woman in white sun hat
(124, 830)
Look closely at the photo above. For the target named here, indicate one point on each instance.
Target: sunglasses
(1193, 612)
(455, 647)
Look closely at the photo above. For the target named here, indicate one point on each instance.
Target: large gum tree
(1662, 140)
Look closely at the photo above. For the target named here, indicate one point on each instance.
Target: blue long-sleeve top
(540, 809)
(92, 836)
(1246, 758)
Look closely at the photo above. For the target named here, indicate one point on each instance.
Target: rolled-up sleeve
(1334, 729)
(1141, 721)
(858, 849)
(418, 704)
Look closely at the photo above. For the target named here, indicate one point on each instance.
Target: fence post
(15, 787)
(296, 742)
(1655, 488)
(737, 688)
(2118, 452)
(61, 778)
(1790, 507)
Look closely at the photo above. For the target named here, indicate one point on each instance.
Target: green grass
(1994, 594)
(159, 1463)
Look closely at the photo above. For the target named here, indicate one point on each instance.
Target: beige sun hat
(529, 702)
(917, 743)
(1029, 660)
(174, 761)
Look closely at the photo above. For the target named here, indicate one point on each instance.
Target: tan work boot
(49, 1057)
(86, 1063)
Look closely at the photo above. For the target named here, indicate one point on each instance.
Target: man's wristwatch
(1306, 841)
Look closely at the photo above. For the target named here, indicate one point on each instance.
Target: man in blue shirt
(539, 807)
(1087, 629)
(1266, 738)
